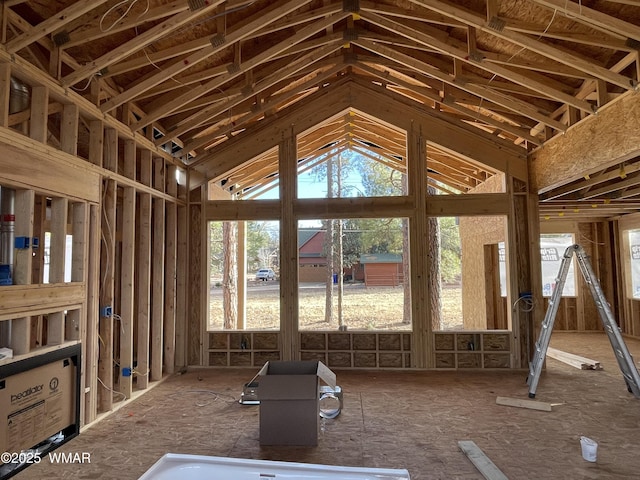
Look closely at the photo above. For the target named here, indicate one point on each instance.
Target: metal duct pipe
(7, 225)
(7, 235)
(20, 96)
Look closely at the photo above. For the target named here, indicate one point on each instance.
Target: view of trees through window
(353, 272)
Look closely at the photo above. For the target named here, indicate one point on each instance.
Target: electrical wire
(77, 89)
(124, 397)
(104, 239)
(123, 2)
(527, 301)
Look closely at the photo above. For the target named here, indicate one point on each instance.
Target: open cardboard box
(289, 406)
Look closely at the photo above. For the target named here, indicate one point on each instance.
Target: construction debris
(574, 360)
(521, 403)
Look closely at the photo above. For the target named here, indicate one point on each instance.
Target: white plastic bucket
(589, 449)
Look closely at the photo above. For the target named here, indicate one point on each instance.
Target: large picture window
(354, 274)
(634, 257)
(244, 282)
(552, 248)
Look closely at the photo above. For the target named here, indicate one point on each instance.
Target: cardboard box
(36, 404)
(289, 407)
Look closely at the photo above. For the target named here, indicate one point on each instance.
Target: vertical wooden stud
(142, 287)
(242, 275)
(57, 262)
(288, 165)
(75, 327)
(127, 270)
(107, 286)
(96, 142)
(90, 345)
(423, 354)
(39, 113)
(171, 243)
(5, 93)
(69, 129)
(181, 305)
(110, 161)
(157, 322)
(130, 159)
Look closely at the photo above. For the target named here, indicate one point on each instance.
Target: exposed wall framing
(112, 203)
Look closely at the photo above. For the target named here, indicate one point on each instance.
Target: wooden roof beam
(592, 17)
(447, 48)
(506, 101)
(216, 44)
(560, 55)
(82, 37)
(590, 181)
(200, 117)
(175, 102)
(73, 11)
(602, 39)
(137, 43)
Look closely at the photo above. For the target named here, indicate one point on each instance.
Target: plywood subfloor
(407, 420)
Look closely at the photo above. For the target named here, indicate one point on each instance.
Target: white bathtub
(198, 467)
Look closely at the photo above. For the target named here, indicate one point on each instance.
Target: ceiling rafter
(200, 117)
(592, 18)
(302, 34)
(216, 44)
(468, 57)
(199, 142)
(137, 43)
(511, 73)
(553, 52)
(51, 24)
(506, 101)
(82, 35)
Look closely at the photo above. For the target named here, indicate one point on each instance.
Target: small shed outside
(382, 269)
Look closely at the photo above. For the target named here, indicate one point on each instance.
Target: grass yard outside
(372, 308)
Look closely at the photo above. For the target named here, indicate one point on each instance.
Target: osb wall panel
(339, 359)
(265, 341)
(364, 342)
(260, 358)
(313, 341)
(364, 360)
(475, 233)
(357, 349)
(243, 349)
(497, 342)
(464, 350)
(597, 142)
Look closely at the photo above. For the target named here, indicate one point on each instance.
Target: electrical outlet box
(106, 311)
(21, 242)
(126, 372)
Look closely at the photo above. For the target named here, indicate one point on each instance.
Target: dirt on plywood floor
(390, 419)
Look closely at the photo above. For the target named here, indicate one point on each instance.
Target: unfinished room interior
(435, 204)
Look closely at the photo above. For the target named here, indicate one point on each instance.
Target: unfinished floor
(390, 419)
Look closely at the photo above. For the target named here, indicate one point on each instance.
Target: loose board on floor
(522, 403)
(484, 465)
